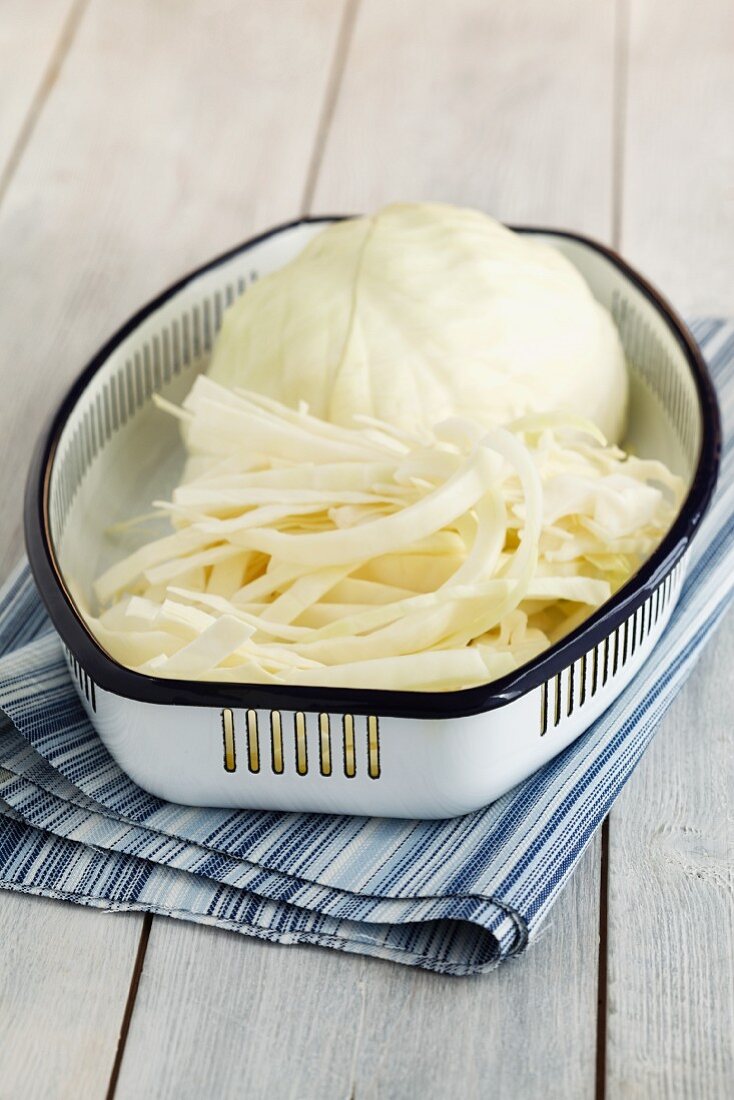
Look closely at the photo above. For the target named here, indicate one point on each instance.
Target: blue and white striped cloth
(451, 896)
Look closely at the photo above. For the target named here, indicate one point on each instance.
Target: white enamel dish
(108, 452)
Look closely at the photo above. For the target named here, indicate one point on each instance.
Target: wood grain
(64, 978)
(31, 49)
(506, 107)
(173, 130)
(670, 1023)
(217, 1015)
(303, 1022)
(671, 901)
(58, 1021)
(220, 1015)
(678, 196)
(527, 1030)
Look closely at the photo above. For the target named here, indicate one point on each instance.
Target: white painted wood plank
(671, 901)
(173, 131)
(64, 979)
(60, 1008)
(506, 107)
(527, 1030)
(671, 889)
(678, 197)
(228, 1016)
(29, 40)
(221, 1015)
(218, 1015)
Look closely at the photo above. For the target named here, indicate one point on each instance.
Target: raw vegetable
(423, 311)
(307, 552)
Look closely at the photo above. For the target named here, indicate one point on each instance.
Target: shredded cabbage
(307, 552)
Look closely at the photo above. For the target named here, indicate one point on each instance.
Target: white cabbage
(398, 473)
(305, 552)
(421, 311)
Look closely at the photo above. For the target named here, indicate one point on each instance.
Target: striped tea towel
(453, 896)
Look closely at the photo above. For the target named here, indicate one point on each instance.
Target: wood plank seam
(50, 76)
(127, 1015)
(619, 107)
(621, 83)
(602, 972)
(343, 42)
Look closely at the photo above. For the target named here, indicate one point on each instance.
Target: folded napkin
(453, 896)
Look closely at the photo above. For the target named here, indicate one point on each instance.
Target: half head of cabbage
(422, 311)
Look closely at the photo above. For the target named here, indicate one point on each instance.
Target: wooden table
(140, 137)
